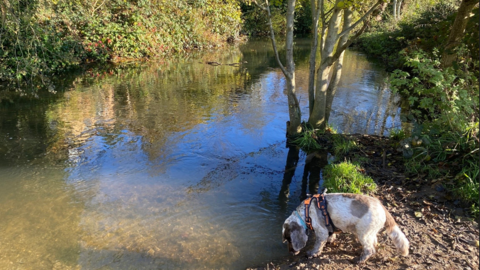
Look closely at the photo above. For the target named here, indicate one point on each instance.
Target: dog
(361, 215)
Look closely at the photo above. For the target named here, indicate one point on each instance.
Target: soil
(441, 234)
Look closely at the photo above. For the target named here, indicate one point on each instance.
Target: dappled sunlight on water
(168, 165)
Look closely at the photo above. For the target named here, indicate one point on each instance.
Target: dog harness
(322, 205)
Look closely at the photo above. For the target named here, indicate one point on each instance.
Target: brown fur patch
(390, 222)
(360, 204)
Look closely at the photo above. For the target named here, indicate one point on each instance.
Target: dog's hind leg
(368, 243)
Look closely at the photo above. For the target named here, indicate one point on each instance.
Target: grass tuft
(342, 145)
(346, 177)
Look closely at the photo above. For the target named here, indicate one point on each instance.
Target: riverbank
(442, 235)
(43, 38)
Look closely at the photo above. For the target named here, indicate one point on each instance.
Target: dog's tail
(397, 236)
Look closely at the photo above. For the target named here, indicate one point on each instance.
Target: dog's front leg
(321, 237)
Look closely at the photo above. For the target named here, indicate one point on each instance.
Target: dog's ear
(285, 233)
(298, 236)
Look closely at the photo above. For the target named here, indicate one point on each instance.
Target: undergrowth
(444, 103)
(39, 38)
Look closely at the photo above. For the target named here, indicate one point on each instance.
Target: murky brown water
(164, 165)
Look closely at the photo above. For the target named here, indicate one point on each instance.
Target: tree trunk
(313, 54)
(399, 9)
(317, 117)
(295, 115)
(395, 9)
(293, 104)
(457, 32)
(337, 67)
(329, 56)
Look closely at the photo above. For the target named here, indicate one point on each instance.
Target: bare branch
(361, 19)
(274, 44)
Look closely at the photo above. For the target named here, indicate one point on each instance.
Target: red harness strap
(322, 205)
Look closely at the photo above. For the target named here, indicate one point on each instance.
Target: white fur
(361, 215)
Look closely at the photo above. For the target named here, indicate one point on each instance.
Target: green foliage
(255, 20)
(445, 103)
(439, 97)
(425, 27)
(342, 145)
(397, 134)
(41, 37)
(347, 177)
(307, 140)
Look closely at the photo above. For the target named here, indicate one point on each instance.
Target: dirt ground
(441, 234)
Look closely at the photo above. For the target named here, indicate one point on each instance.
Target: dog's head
(295, 235)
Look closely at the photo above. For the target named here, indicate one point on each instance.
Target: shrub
(445, 104)
(40, 37)
(346, 177)
(437, 96)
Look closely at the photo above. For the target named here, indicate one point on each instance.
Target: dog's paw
(360, 260)
(331, 238)
(311, 254)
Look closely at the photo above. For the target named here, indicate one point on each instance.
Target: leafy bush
(347, 177)
(423, 27)
(437, 96)
(445, 103)
(41, 37)
(255, 20)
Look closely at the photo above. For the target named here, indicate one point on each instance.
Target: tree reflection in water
(312, 172)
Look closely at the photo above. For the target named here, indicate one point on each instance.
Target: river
(171, 164)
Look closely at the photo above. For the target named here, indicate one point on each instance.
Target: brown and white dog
(361, 215)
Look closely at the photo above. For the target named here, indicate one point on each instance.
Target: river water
(165, 165)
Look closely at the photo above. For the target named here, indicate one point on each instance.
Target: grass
(342, 145)
(346, 177)
(307, 141)
(452, 156)
(397, 134)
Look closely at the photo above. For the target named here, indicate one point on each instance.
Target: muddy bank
(440, 231)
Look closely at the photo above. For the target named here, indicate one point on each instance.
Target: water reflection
(171, 165)
(312, 172)
(290, 167)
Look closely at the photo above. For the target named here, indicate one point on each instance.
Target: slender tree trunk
(399, 9)
(313, 54)
(293, 104)
(457, 32)
(337, 67)
(295, 115)
(395, 9)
